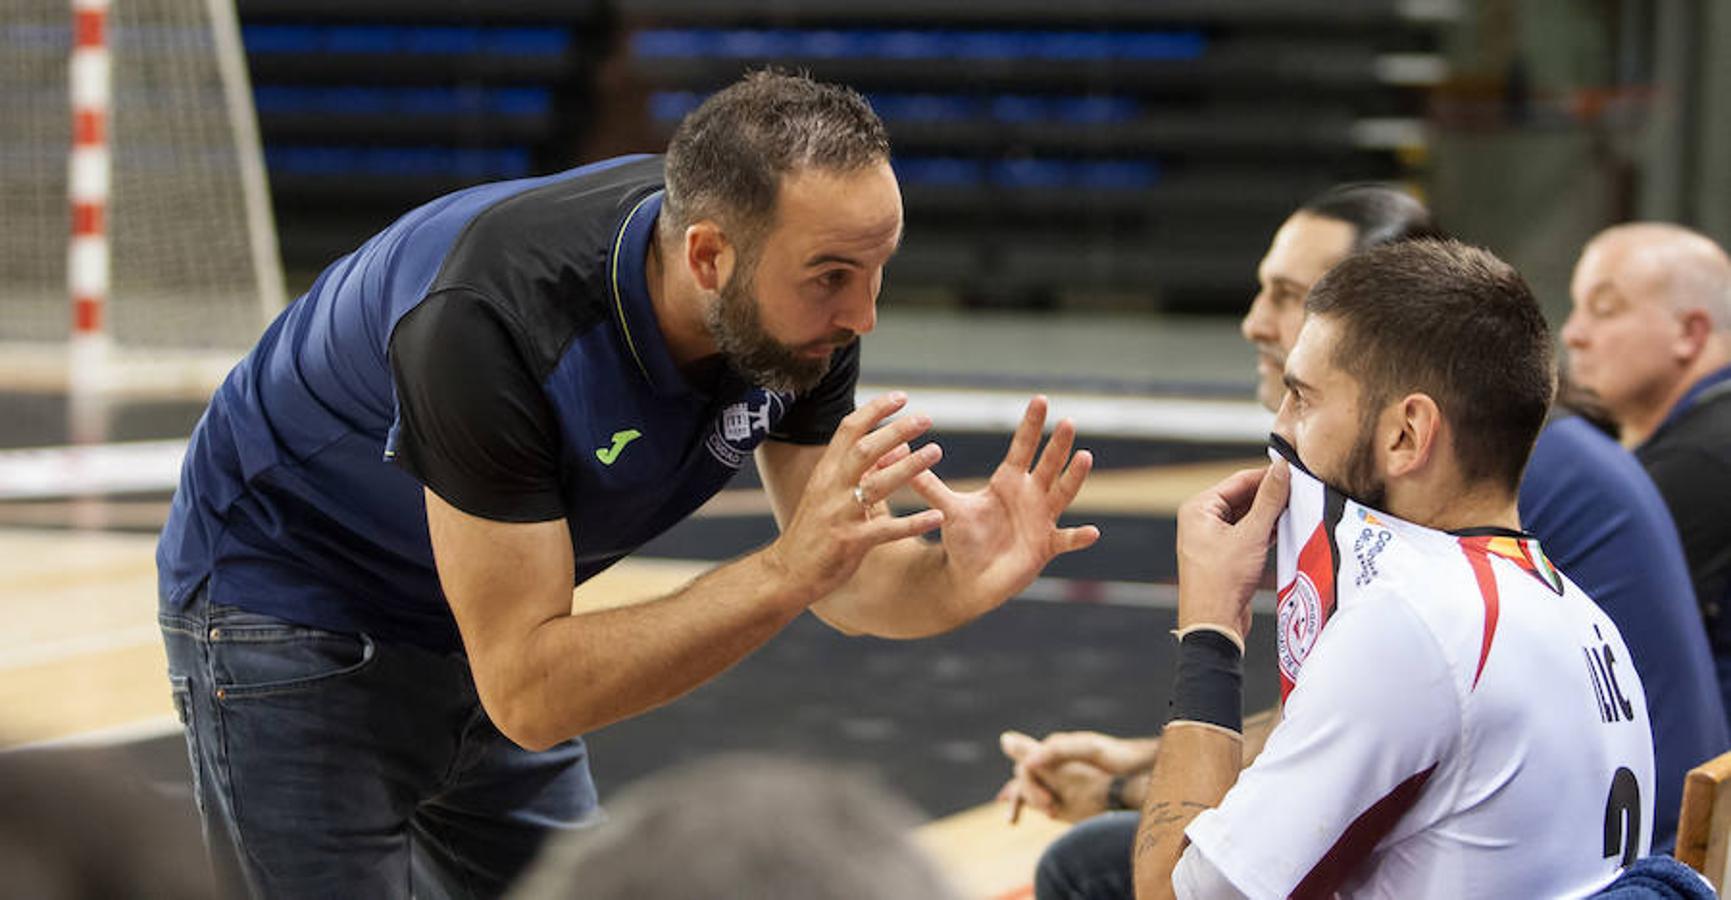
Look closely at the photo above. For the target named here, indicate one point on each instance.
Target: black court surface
(1089, 648)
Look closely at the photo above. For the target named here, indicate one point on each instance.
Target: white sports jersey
(1467, 724)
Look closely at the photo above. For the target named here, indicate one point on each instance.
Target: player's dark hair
(1379, 213)
(727, 158)
(1456, 323)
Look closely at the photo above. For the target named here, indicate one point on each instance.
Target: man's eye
(833, 279)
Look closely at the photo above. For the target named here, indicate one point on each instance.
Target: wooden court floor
(81, 658)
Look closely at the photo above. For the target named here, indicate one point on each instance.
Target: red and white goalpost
(134, 190)
(90, 87)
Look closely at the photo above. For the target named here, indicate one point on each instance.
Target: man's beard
(752, 351)
(1360, 481)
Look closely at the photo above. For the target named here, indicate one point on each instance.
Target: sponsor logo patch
(1366, 548)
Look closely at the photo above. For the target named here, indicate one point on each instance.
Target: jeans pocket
(255, 655)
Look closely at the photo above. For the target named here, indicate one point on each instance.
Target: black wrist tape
(1210, 686)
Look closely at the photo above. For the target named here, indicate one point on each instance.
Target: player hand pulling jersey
(1460, 719)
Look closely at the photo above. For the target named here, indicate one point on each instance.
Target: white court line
(1095, 415)
(1146, 594)
(154, 466)
(114, 735)
(134, 467)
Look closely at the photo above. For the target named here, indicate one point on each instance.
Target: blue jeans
(338, 766)
(1091, 861)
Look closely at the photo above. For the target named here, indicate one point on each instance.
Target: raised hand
(998, 538)
(839, 517)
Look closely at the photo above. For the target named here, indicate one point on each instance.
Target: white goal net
(193, 266)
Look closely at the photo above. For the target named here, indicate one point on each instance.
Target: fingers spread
(894, 528)
(932, 489)
(1070, 483)
(875, 446)
(885, 481)
(897, 453)
(1027, 437)
(864, 419)
(1069, 540)
(1057, 453)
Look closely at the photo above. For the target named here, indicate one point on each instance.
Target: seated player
(1598, 514)
(1464, 721)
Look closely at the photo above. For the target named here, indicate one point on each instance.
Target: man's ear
(1413, 432)
(1694, 330)
(708, 254)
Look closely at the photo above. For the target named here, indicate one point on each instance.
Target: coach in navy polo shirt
(366, 577)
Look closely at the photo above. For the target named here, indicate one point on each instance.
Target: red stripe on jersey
(1481, 563)
(1315, 564)
(1361, 837)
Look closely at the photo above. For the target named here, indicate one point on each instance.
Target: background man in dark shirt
(1598, 515)
(1650, 336)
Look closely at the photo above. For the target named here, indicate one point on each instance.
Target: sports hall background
(1089, 186)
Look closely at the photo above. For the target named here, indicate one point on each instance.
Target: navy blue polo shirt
(1603, 523)
(497, 346)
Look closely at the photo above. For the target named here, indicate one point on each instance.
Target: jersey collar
(632, 311)
(1517, 547)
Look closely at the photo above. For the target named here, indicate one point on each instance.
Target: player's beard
(750, 350)
(1360, 481)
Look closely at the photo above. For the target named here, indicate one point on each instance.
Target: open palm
(998, 538)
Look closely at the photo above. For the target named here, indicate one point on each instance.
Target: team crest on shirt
(1300, 622)
(744, 425)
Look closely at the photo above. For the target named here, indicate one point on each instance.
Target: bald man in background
(1650, 336)
(1586, 499)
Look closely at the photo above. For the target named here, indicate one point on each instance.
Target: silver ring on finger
(859, 496)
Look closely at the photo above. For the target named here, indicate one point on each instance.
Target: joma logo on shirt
(608, 455)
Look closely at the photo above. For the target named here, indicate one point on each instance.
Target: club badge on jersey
(1307, 563)
(1309, 559)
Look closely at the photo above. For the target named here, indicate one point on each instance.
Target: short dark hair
(1454, 322)
(1380, 213)
(727, 158)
